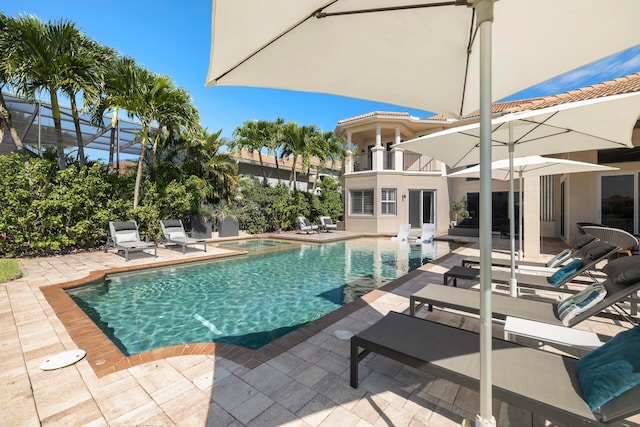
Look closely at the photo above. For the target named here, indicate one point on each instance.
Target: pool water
(247, 300)
(254, 244)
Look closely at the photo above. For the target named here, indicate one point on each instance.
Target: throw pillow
(598, 250)
(583, 240)
(623, 270)
(610, 370)
(127, 236)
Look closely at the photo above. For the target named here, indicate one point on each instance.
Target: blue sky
(173, 37)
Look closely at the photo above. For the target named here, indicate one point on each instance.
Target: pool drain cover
(63, 359)
(344, 335)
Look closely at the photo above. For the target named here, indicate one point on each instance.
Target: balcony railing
(418, 162)
(411, 162)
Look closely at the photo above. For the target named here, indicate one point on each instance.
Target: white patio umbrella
(420, 54)
(521, 167)
(597, 123)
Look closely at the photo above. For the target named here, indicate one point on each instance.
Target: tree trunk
(55, 112)
(143, 151)
(264, 174)
(76, 124)
(5, 114)
(112, 139)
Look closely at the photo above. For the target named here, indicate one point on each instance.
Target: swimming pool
(247, 300)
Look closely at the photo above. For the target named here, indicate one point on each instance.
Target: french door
(421, 207)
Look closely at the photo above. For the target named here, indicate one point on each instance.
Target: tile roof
(625, 84)
(373, 114)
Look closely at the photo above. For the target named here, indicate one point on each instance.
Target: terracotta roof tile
(626, 84)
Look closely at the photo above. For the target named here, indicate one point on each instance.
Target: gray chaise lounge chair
(124, 236)
(545, 383)
(305, 225)
(623, 280)
(579, 246)
(173, 232)
(593, 254)
(327, 224)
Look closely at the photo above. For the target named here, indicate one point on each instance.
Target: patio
(303, 383)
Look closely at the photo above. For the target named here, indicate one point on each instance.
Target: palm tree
(86, 75)
(331, 148)
(42, 54)
(119, 77)
(5, 79)
(253, 135)
(301, 142)
(275, 142)
(218, 171)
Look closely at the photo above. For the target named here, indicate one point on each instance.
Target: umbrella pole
(484, 13)
(513, 283)
(520, 219)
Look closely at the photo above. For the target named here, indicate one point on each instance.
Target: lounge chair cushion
(583, 240)
(127, 236)
(598, 250)
(177, 235)
(169, 223)
(623, 271)
(306, 222)
(611, 369)
(568, 270)
(575, 304)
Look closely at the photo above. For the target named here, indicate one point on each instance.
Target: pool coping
(106, 358)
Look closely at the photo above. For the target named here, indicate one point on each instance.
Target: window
(361, 202)
(388, 200)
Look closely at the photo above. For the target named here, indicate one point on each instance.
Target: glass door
(618, 202)
(421, 207)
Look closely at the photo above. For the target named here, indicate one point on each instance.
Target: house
(385, 186)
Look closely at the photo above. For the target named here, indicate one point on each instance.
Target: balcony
(412, 162)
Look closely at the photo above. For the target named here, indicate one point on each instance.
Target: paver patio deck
(302, 383)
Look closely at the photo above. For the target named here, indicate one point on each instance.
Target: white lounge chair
(327, 224)
(428, 231)
(173, 232)
(305, 225)
(124, 236)
(403, 234)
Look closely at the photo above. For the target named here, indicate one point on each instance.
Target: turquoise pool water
(247, 300)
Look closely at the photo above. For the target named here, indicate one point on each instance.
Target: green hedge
(49, 211)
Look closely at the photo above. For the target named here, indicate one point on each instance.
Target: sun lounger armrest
(623, 406)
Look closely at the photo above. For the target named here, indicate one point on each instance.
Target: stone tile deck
(300, 381)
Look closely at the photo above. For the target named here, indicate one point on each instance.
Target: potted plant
(460, 210)
(226, 216)
(201, 221)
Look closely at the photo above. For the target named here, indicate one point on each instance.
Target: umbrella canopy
(598, 123)
(421, 54)
(529, 166)
(522, 167)
(431, 55)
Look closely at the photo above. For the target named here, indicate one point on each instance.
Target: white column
(398, 153)
(531, 217)
(377, 151)
(348, 167)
